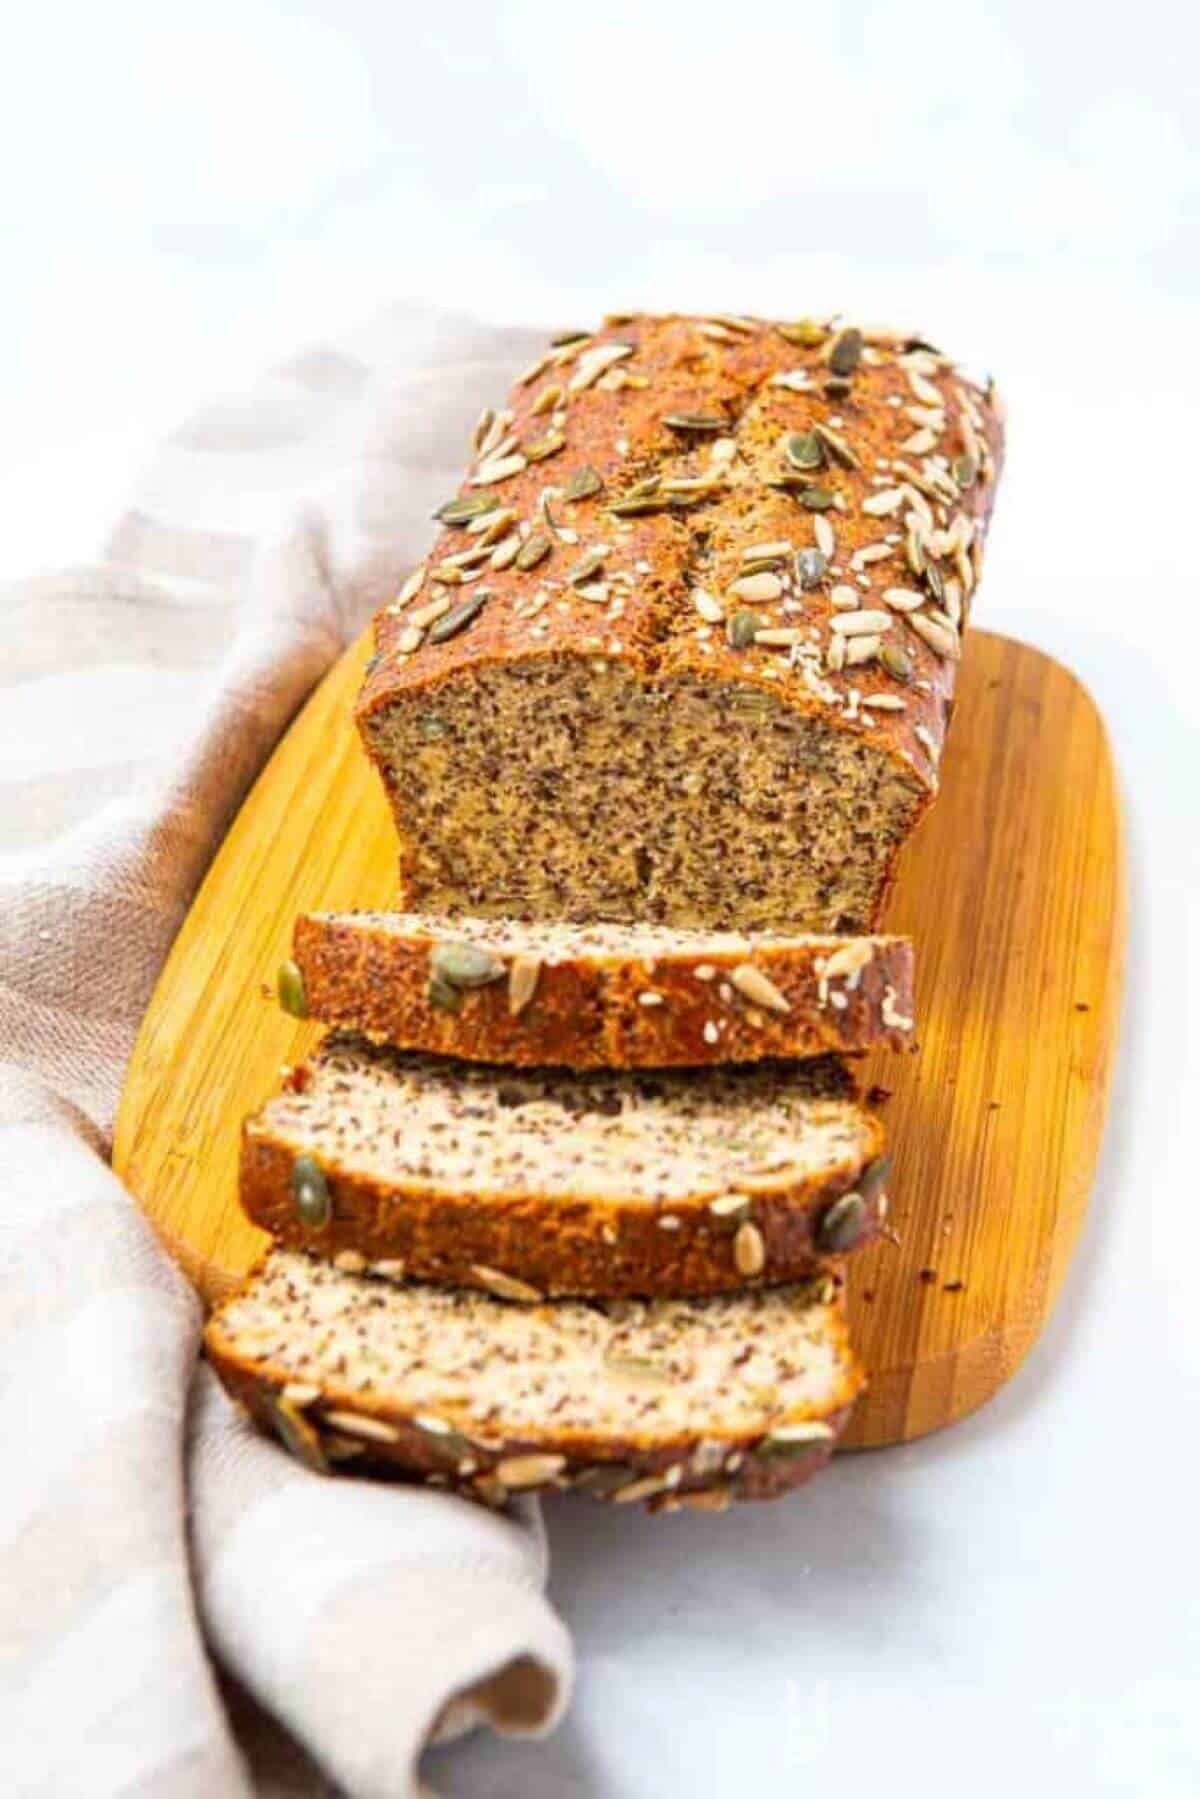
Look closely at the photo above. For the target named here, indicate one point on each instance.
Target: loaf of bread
(668, 1402)
(684, 652)
(541, 1181)
(597, 996)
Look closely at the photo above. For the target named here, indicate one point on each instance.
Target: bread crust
(590, 1246)
(682, 365)
(710, 1471)
(596, 1010)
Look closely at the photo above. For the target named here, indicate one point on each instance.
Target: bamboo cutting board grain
(1013, 889)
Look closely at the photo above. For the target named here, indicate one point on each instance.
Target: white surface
(1016, 1600)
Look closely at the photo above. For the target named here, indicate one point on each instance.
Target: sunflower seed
(547, 400)
(350, 1261)
(754, 985)
(506, 553)
(710, 610)
(940, 638)
(529, 1470)
(412, 586)
(592, 364)
(749, 1250)
(465, 964)
(845, 599)
(534, 550)
(837, 446)
(354, 1424)
(734, 1207)
(826, 537)
(524, 972)
(635, 1366)
(647, 1486)
(860, 650)
(920, 442)
(902, 599)
(857, 624)
(758, 589)
(767, 552)
(588, 565)
(841, 1225)
(506, 1286)
(795, 1439)
(779, 637)
(881, 505)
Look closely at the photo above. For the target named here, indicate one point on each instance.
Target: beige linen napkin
(142, 1525)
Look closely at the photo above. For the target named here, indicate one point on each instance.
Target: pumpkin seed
(810, 568)
(443, 995)
(538, 448)
(847, 348)
(603, 1479)
(741, 629)
(534, 550)
(873, 1176)
(465, 964)
(292, 995)
(460, 511)
(804, 331)
(583, 484)
(896, 659)
(815, 499)
(569, 337)
(587, 566)
(841, 1224)
(965, 471)
(696, 421)
(804, 449)
(431, 726)
(310, 1193)
(837, 387)
(297, 1435)
(458, 618)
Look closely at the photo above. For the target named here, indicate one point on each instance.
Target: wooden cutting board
(1013, 889)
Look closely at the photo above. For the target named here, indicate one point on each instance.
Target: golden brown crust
(595, 1010)
(908, 420)
(717, 1469)
(775, 1229)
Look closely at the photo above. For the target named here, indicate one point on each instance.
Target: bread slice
(685, 644)
(598, 996)
(542, 1181)
(670, 1401)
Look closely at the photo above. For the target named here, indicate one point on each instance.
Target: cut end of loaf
(565, 788)
(740, 1396)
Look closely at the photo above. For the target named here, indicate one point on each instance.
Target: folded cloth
(143, 1525)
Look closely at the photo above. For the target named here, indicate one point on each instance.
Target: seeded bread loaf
(534, 1182)
(597, 996)
(685, 650)
(668, 1401)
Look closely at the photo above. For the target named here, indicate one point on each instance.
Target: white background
(191, 192)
